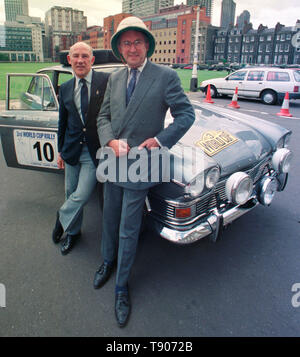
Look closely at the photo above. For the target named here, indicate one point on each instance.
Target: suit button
(84, 129)
(81, 143)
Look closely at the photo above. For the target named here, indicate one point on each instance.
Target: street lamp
(194, 79)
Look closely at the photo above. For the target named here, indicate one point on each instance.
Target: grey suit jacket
(157, 90)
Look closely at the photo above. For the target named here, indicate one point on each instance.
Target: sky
(266, 12)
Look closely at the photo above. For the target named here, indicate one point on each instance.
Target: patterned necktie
(131, 85)
(84, 101)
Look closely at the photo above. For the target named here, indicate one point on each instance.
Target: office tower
(14, 8)
(144, 7)
(227, 13)
(206, 3)
(244, 17)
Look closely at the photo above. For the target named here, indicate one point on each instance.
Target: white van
(267, 83)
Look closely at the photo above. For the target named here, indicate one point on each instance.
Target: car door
(234, 80)
(254, 83)
(28, 125)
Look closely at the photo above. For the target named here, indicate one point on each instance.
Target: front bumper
(211, 226)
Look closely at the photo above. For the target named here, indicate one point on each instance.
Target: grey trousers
(122, 217)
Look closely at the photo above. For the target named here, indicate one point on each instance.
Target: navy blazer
(71, 130)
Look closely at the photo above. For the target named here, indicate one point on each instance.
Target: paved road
(240, 286)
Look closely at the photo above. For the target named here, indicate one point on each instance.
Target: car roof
(68, 69)
(271, 68)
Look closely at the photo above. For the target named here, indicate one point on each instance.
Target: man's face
(81, 60)
(133, 48)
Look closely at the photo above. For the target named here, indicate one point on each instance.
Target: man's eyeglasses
(136, 44)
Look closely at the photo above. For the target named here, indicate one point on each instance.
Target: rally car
(223, 167)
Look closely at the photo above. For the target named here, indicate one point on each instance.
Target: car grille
(209, 201)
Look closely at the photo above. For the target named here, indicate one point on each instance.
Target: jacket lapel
(144, 84)
(71, 93)
(93, 96)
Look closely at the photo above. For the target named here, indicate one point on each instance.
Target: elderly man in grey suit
(132, 115)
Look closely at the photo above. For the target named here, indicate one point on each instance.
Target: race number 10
(44, 151)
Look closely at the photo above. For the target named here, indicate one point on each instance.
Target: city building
(208, 4)
(63, 25)
(264, 46)
(174, 32)
(142, 8)
(110, 25)
(14, 8)
(227, 13)
(21, 42)
(93, 36)
(242, 19)
(165, 34)
(186, 36)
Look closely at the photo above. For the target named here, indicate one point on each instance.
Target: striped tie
(131, 85)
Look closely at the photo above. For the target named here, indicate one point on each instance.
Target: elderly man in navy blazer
(80, 100)
(132, 116)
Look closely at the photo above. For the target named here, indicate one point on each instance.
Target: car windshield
(297, 76)
(237, 76)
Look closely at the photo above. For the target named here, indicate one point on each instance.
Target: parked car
(222, 168)
(266, 83)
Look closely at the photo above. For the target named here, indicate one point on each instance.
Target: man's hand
(60, 162)
(120, 147)
(149, 144)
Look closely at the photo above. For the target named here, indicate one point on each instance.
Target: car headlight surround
(267, 189)
(281, 160)
(195, 187)
(239, 187)
(287, 140)
(212, 177)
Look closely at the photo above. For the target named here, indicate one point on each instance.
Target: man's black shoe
(58, 230)
(102, 275)
(68, 243)
(122, 307)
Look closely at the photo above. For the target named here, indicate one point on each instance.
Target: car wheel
(213, 91)
(269, 97)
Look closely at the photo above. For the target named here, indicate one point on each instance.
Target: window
(278, 76)
(256, 75)
(297, 76)
(237, 76)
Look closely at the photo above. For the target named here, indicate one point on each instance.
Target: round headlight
(239, 188)
(196, 186)
(281, 160)
(268, 187)
(212, 177)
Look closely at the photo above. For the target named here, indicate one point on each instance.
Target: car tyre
(213, 91)
(269, 97)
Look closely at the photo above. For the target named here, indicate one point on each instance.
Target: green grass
(184, 74)
(18, 68)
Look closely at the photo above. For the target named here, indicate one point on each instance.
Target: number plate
(36, 148)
